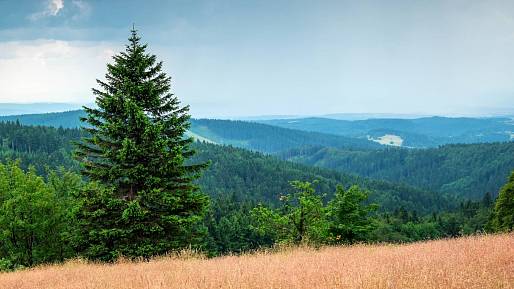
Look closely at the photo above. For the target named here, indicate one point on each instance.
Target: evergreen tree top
(137, 132)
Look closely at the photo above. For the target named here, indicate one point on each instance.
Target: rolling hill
(270, 139)
(420, 132)
(249, 135)
(460, 170)
(252, 176)
(266, 135)
(32, 108)
(467, 170)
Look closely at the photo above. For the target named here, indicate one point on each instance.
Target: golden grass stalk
(470, 262)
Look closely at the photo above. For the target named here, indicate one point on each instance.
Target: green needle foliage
(146, 203)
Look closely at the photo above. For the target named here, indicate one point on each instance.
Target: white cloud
(83, 9)
(54, 6)
(51, 70)
(52, 9)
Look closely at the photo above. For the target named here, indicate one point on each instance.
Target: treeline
(36, 139)
(464, 170)
(236, 225)
(42, 220)
(48, 220)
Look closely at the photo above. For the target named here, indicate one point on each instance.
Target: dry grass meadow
(472, 262)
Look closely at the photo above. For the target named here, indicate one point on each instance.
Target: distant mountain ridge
(361, 134)
(248, 135)
(419, 132)
(66, 119)
(7, 109)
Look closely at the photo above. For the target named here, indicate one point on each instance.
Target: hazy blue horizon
(11, 109)
(253, 58)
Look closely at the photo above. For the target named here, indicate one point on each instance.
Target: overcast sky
(237, 58)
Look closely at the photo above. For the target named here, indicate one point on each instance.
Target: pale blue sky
(236, 58)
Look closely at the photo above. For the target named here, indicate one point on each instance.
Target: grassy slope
(471, 262)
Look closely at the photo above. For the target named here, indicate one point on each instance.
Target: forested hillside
(251, 176)
(270, 139)
(38, 146)
(67, 119)
(467, 170)
(258, 177)
(421, 132)
(271, 136)
(459, 170)
(249, 135)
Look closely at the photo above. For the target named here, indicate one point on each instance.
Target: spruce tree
(146, 202)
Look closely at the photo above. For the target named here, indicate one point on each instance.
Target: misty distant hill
(419, 132)
(275, 135)
(249, 135)
(32, 108)
(67, 119)
(271, 139)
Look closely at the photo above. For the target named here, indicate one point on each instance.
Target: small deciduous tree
(300, 219)
(36, 219)
(348, 217)
(503, 218)
(303, 218)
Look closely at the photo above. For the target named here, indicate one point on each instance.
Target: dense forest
(249, 175)
(66, 119)
(465, 170)
(270, 139)
(257, 177)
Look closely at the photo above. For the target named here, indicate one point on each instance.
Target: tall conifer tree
(137, 152)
